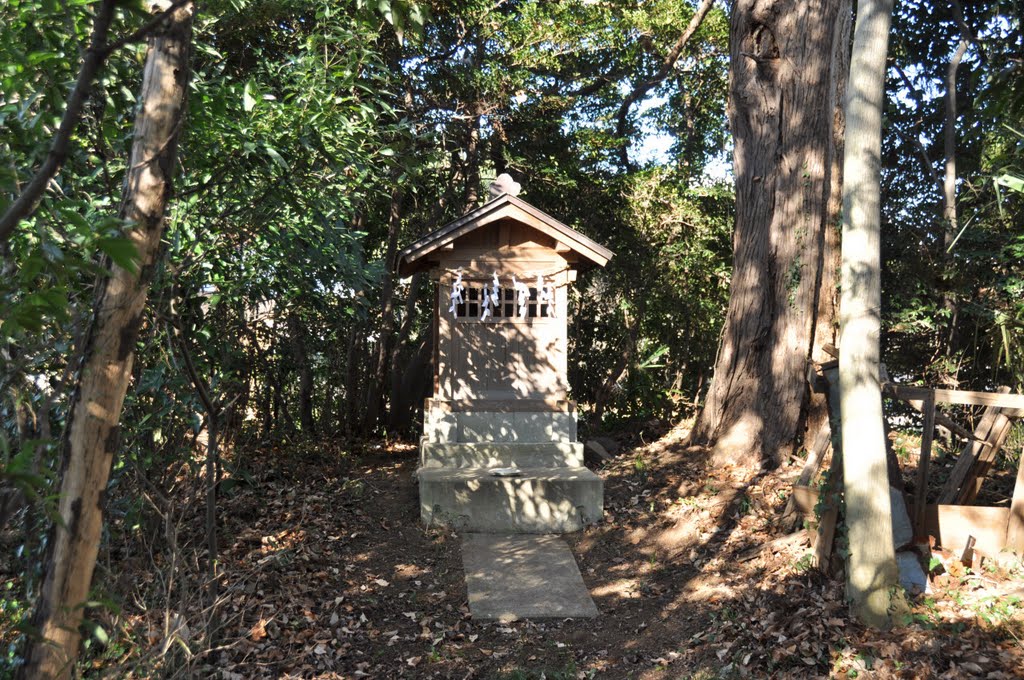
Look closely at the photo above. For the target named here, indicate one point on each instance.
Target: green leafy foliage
(322, 135)
(954, 295)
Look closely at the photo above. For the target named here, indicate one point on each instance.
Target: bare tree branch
(645, 86)
(143, 31)
(965, 30)
(92, 60)
(28, 199)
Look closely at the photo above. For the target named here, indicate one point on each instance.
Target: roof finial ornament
(504, 184)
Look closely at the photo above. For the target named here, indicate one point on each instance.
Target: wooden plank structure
(952, 521)
(806, 500)
(803, 499)
(506, 356)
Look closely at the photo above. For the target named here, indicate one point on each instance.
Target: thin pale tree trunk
(386, 343)
(871, 572)
(949, 144)
(92, 433)
(788, 60)
(949, 208)
(297, 342)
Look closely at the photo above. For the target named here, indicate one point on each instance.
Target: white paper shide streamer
(522, 296)
(546, 295)
(491, 296)
(485, 303)
(456, 295)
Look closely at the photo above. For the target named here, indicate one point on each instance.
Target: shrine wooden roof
(415, 256)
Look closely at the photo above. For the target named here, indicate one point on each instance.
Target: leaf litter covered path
(330, 575)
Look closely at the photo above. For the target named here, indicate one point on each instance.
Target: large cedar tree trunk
(95, 412)
(789, 63)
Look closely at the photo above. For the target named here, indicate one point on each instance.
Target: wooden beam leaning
(830, 508)
(970, 452)
(986, 458)
(816, 454)
(826, 533)
(921, 488)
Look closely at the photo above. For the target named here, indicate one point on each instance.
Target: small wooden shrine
(499, 449)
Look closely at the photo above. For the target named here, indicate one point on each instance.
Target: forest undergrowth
(326, 572)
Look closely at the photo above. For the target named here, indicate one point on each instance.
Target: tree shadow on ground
(327, 573)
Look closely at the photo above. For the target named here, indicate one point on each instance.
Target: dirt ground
(327, 573)
(331, 575)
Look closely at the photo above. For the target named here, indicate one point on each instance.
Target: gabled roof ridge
(476, 212)
(573, 233)
(431, 241)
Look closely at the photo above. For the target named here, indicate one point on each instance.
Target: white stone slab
(515, 576)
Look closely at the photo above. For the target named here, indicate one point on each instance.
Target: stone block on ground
(610, 445)
(535, 501)
(500, 454)
(511, 577)
(500, 426)
(597, 453)
(902, 529)
(912, 576)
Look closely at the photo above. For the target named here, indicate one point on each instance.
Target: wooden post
(1015, 524)
(830, 507)
(815, 456)
(921, 488)
(826, 533)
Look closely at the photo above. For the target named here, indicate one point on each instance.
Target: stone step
(499, 426)
(540, 501)
(500, 454)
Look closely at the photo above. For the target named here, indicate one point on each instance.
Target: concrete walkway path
(523, 576)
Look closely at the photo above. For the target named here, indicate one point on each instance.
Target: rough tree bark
(789, 63)
(471, 195)
(92, 433)
(405, 395)
(604, 392)
(476, 109)
(871, 572)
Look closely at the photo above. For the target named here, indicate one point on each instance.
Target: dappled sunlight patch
(626, 588)
(709, 589)
(282, 540)
(355, 587)
(410, 571)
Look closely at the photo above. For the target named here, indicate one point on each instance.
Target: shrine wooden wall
(505, 356)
